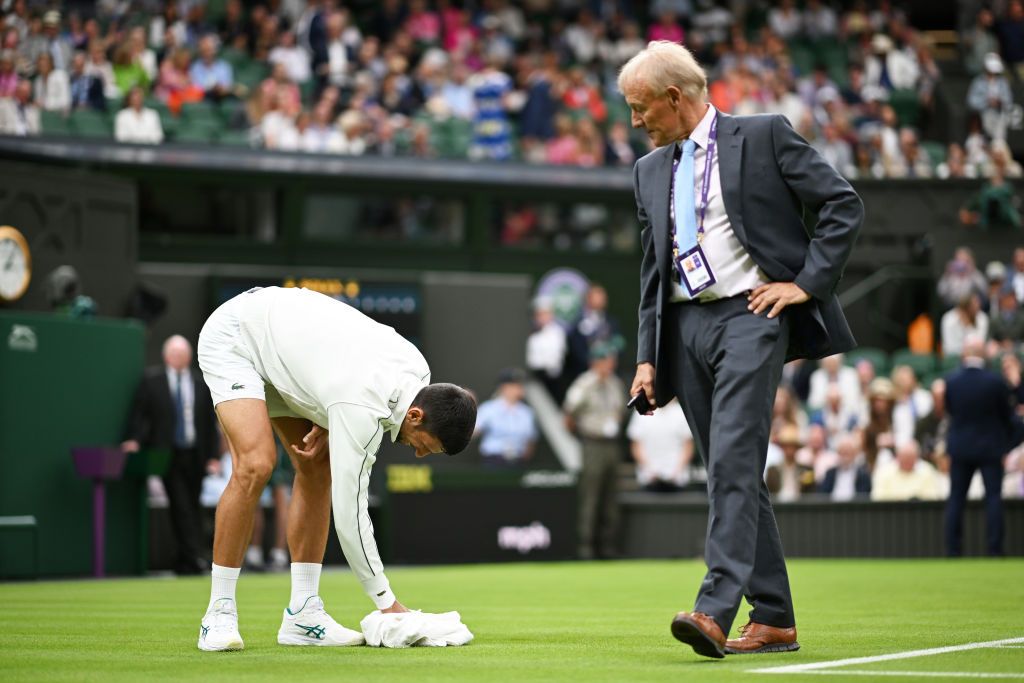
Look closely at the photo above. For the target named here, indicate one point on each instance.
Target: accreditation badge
(695, 271)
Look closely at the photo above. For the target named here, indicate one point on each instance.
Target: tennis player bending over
(331, 383)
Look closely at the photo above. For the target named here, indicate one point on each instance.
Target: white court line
(814, 667)
(929, 674)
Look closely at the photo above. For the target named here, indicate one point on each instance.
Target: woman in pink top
(423, 25)
(666, 29)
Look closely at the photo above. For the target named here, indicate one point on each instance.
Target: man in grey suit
(731, 287)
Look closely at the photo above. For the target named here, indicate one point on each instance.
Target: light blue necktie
(686, 211)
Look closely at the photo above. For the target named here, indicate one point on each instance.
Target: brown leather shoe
(700, 632)
(757, 638)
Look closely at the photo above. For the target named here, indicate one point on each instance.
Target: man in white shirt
(906, 478)
(662, 446)
(318, 373)
(832, 372)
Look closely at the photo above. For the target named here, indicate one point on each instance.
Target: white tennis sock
(305, 584)
(223, 584)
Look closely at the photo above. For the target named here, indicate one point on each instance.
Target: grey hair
(661, 64)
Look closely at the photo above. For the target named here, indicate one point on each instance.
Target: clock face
(14, 269)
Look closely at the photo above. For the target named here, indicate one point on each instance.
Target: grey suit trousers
(726, 366)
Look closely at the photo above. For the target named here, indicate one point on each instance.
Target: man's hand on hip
(777, 296)
(644, 381)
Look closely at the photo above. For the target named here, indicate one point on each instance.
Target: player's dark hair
(449, 413)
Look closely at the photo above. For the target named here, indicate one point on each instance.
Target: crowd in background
(501, 80)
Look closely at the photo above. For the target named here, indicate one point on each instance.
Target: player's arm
(354, 436)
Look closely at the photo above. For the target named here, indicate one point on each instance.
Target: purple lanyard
(706, 181)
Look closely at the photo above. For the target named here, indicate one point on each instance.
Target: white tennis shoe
(311, 625)
(219, 629)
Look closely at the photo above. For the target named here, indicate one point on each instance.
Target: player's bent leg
(247, 427)
(309, 515)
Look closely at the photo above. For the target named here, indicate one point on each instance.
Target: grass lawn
(536, 622)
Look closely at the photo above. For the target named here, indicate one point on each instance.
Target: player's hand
(644, 381)
(395, 608)
(314, 443)
(777, 295)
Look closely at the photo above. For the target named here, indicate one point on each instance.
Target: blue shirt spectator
(492, 137)
(506, 423)
(208, 72)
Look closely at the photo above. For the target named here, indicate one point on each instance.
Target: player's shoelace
(222, 617)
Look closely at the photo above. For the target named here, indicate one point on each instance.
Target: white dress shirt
(138, 126)
(343, 371)
(735, 272)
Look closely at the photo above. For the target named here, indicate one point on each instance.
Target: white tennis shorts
(227, 364)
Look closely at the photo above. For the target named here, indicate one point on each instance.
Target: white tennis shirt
(353, 376)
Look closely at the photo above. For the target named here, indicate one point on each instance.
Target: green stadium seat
(91, 124)
(251, 74)
(198, 134)
(936, 151)
(949, 363)
(923, 364)
(307, 91)
(879, 358)
(235, 138)
(906, 105)
(235, 58)
(802, 57)
(54, 123)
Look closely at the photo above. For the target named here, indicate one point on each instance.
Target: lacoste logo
(236, 386)
(317, 631)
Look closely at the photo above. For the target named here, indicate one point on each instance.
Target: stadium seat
(199, 134)
(879, 358)
(802, 56)
(90, 124)
(54, 123)
(250, 74)
(936, 151)
(235, 138)
(949, 363)
(923, 364)
(906, 105)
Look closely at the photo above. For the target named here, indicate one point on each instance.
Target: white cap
(993, 64)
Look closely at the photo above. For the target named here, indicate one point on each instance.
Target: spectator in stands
(1016, 277)
(100, 68)
(86, 91)
(1007, 325)
(878, 437)
(1001, 161)
(352, 125)
(965, 319)
(990, 98)
(980, 432)
(833, 372)
(175, 86)
(619, 151)
(931, 430)
(955, 165)
(8, 75)
(141, 54)
(816, 452)
(912, 404)
(136, 123)
(785, 20)
(172, 410)
(836, 150)
(906, 478)
(506, 424)
(595, 325)
(546, 348)
(288, 95)
(888, 68)
(210, 73)
(492, 89)
(128, 73)
(834, 417)
(979, 41)
(666, 28)
(995, 275)
(595, 407)
(662, 447)
(786, 410)
(994, 206)
(1011, 35)
(55, 44)
(18, 115)
(914, 162)
(276, 126)
(849, 479)
(819, 22)
(788, 480)
(960, 278)
(52, 91)
(293, 58)
(321, 136)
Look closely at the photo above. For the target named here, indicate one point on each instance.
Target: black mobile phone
(640, 404)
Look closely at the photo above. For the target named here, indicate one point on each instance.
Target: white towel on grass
(411, 629)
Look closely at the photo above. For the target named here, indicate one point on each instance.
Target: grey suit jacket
(769, 174)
